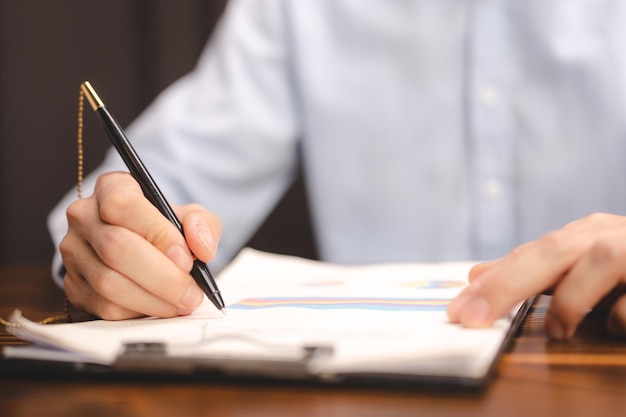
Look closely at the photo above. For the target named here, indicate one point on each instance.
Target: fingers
(123, 292)
(478, 269)
(584, 264)
(83, 296)
(77, 255)
(95, 287)
(598, 271)
(122, 249)
(132, 256)
(122, 203)
(125, 259)
(526, 271)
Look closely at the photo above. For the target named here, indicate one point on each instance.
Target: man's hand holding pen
(124, 259)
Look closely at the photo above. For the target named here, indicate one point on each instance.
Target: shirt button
(488, 95)
(492, 189)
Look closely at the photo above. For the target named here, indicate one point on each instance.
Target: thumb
(203, 230)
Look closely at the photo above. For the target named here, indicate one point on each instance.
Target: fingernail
(206, 237)
(181, 257)
(554, 328)
(475, 312)
(193, 297)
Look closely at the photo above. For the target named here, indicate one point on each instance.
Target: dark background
(130, 50)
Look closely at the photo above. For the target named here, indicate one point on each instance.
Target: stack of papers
(290, 317)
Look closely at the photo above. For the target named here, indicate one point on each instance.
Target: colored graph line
(428, 284)
(333, 303)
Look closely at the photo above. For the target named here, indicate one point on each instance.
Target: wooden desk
(583, 377)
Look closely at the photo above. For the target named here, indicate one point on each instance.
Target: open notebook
(294, 318)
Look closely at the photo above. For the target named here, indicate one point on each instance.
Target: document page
(380, 318)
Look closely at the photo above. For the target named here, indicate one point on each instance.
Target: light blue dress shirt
(428, 130)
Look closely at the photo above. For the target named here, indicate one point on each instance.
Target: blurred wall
(130, 49)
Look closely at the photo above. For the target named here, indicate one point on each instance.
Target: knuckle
(599, 218)
(592, 221)
(112, 242)
(595, 217)
(107, 282)
(65, 247)
(107, 178)
(554, 244)
(69, 248)
(75, 212)
(114, 205)
(162, 233)
(605, 250)
(602, 251)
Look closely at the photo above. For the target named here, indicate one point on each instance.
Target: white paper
(388, 318)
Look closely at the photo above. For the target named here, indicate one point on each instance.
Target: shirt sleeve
(225, 135)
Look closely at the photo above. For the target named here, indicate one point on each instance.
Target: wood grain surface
(535, 377)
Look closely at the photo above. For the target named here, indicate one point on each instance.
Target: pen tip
(223, 310)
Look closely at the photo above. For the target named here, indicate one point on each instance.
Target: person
(427, 131)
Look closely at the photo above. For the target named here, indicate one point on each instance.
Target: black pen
(200, 272)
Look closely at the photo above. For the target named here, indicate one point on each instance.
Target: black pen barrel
(136, 167)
